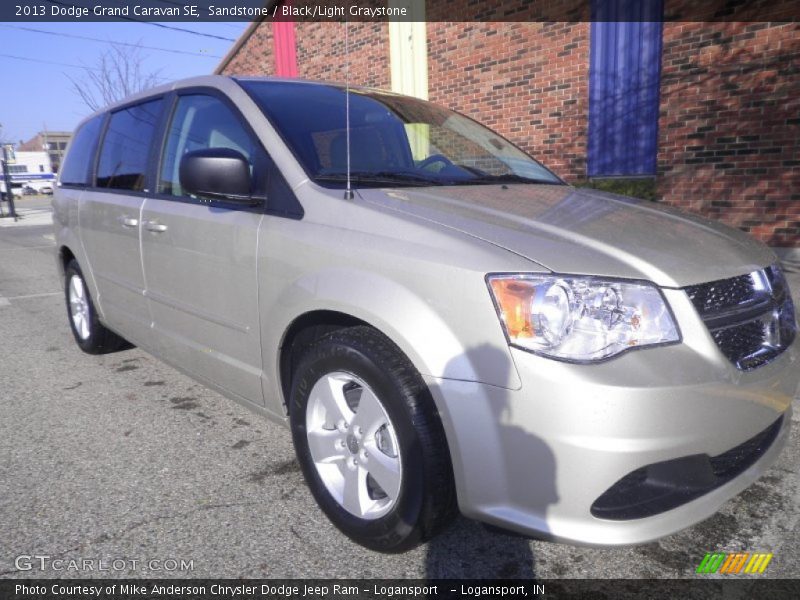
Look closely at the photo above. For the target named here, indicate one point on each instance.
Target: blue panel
(624, 80)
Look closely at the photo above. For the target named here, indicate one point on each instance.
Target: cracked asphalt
(120, 457)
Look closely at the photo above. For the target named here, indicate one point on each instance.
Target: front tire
(90, 334)
(370, 442)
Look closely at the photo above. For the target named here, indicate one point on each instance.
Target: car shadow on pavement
(527, 469)
(470, 550)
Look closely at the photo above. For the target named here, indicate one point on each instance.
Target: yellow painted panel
(408, 50)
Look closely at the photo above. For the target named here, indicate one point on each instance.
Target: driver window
(200, 122)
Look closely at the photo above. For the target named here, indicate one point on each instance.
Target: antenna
(348, 192)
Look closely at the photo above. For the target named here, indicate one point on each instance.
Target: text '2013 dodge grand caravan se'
(456, 327)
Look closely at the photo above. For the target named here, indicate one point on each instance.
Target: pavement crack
(179, 515)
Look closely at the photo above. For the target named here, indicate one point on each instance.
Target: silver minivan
(442, 323)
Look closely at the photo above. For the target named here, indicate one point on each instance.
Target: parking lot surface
(119, 457)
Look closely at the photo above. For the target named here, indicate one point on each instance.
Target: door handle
(155, 227)
(129, 221)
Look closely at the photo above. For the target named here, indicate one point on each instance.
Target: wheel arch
(344, 297)
(304, 331)
(70, 247)
(65, 255)
(426, 502)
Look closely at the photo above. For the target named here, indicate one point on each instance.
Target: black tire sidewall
(91, 343)
(399, 529)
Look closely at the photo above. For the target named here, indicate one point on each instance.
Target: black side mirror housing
(220, 173)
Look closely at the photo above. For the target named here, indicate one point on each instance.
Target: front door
(199, 257)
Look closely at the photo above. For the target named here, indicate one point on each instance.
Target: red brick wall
(321, 55)
(528, 81)
(256, 56)
(729, 129)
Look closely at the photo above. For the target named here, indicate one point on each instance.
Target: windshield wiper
(380, 177)
(504, 178)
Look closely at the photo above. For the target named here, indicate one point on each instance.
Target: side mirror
(217, 173)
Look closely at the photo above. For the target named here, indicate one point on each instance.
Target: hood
(579, 231)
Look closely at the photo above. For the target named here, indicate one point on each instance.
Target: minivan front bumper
(678, 424)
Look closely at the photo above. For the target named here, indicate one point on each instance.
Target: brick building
(709, 111)
(53, 142)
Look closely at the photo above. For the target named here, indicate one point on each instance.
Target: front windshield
(394, 139)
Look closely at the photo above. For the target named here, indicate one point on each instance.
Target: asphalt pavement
(121, 458)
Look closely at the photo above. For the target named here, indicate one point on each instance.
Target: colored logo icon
(734, 563)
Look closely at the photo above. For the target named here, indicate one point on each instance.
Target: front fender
(426, 335)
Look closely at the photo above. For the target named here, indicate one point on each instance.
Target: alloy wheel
(79, 307)
(353, 445)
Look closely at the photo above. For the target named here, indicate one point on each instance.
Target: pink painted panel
(285, 51)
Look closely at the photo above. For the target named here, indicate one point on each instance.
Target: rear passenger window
(77, 167)
(200, 122)
(126, 147)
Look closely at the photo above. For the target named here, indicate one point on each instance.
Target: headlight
(580, 318)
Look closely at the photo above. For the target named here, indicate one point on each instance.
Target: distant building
(52, 142)
(30, 169)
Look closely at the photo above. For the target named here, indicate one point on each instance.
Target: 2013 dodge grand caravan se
(455, 327)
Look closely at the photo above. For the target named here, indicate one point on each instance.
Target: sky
(37, 95)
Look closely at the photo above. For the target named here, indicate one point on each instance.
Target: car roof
(225, 83)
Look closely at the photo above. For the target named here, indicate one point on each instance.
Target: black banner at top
(188, 11)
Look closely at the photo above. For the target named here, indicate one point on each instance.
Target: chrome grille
(722, 294)
(750, 317)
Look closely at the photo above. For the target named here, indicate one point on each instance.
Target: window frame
(265, 165)
(93, 153)
(148, 175)
(262, 161)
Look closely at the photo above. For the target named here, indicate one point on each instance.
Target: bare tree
(119, 72)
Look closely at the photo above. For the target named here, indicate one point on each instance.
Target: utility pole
(46, 146)
(8, 158)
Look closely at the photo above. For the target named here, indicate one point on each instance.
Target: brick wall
(528, 81)
(256, 56)
(320, 53)
(729, 127)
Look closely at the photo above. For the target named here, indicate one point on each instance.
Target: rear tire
(90, 334)
(370, 442)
